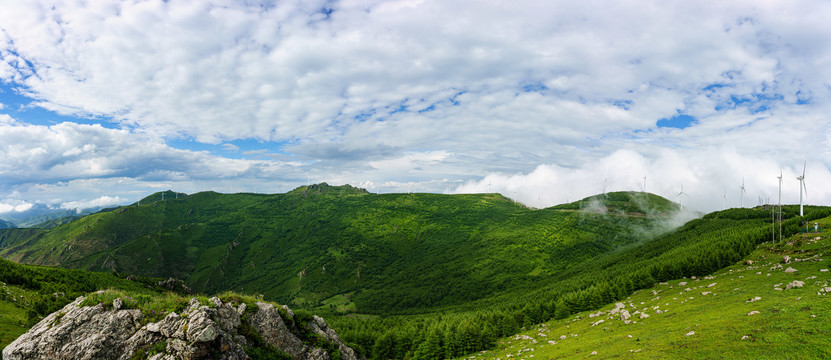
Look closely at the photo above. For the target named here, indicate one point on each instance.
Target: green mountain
(6, 224)
(321, 244)
(40, 214)
(53, 223)
(416, 276)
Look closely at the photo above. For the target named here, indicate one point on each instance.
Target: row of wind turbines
(803, 191)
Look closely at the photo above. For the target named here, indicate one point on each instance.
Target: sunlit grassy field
(706, 318)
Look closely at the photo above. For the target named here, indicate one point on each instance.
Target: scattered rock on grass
(795, 284)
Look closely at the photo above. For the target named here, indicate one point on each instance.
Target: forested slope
(698, 248)
(373, 253)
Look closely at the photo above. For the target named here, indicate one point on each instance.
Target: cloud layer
(434, 95)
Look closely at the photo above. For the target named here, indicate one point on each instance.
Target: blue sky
(105, 103)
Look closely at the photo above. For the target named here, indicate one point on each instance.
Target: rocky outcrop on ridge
(217, 330)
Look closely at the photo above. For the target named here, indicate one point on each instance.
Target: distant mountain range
(43, 216)
(6, 224)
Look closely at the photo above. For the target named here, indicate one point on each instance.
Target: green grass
(793, 323)
(340, 304)
(13, 319)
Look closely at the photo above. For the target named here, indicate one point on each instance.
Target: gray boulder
(200, 332)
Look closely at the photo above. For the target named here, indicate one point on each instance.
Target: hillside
(756, 308)
(698, 248)
(624, 203)
(6, 224)
(339, 246)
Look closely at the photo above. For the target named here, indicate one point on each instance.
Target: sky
(105, 102)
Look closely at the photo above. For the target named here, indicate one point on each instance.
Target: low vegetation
(415, 276)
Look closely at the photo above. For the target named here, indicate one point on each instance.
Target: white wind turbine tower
(681, 193)
(741, 202)
(724, 201)
(780, 204)
(802, 186)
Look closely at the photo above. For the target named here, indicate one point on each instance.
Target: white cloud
(100, 202)
(9, 205)
(703, 175)
(411, 161)
(398, 93)
(68, 151)
(285, 73)
(5, 119)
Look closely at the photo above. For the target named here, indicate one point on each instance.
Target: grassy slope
(793, 323)
(321, 244)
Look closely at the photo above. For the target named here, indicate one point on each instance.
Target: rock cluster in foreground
(215, 331)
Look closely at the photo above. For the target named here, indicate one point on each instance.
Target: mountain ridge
(344, 236)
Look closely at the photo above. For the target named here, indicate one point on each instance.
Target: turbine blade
(805, 187)
(804, 165)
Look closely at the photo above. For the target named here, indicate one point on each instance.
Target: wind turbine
(681, 193)
(644, 184)
(724, 202)
(741, 203)
(780, 203)
(802, 186)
